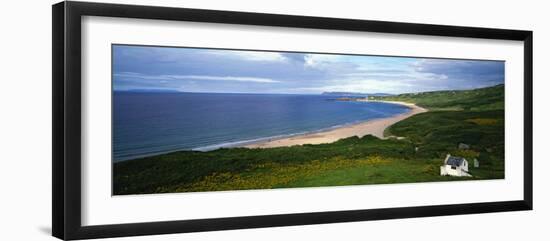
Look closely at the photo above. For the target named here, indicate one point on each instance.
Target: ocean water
(152, 123)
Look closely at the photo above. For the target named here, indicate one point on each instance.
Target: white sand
(373, 127)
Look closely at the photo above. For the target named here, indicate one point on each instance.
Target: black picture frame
(66, 76)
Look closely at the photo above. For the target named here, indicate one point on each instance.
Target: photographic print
(201, 119)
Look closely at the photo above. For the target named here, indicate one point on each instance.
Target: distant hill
(354, 94)
(488, 98)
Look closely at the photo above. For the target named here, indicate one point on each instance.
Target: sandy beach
(373, 127)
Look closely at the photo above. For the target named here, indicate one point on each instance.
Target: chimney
(446, 158)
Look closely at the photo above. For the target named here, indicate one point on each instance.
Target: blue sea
(152, 123)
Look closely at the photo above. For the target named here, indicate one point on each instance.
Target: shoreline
(373, 127)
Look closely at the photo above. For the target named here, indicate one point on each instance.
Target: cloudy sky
(230, 71)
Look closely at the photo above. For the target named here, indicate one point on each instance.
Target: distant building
(454, 166)
(476, 162)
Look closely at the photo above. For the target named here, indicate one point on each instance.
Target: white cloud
(410, 75)
(250, 55)
(165, 78)
(365, 86)
(226, 78)
(320, 60)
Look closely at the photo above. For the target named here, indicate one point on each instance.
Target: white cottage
(455, 166)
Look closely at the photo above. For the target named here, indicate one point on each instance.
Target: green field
(474, 117)
(491, 98)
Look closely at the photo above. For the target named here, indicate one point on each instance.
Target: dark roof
(455, 161)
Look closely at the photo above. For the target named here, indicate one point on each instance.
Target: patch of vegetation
(484, 121)
(490, 98)
(474, 117)
(439, 132)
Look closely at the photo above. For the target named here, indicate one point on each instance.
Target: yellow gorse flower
(271, 174)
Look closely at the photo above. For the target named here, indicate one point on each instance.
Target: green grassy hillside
(490, 98)
(474, 117)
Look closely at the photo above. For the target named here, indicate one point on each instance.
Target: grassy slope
(490, 98)
(475, 117)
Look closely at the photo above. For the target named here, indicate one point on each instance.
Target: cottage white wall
(448, 170)
(459, 172)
